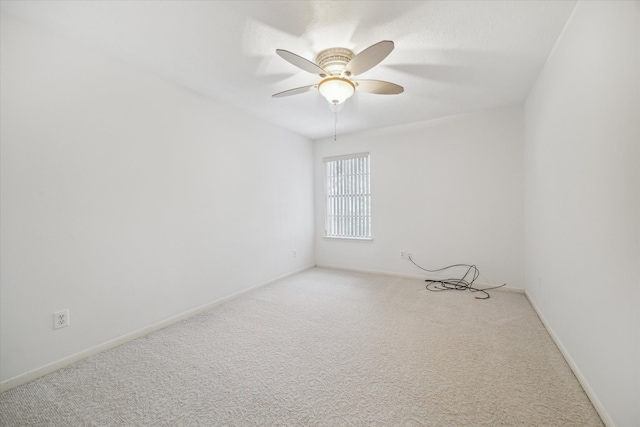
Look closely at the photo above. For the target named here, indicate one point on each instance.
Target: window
(348, 196)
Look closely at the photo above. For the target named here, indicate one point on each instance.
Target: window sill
(353, 239)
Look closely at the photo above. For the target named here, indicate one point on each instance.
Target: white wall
(448, 191)
(128, 200)
(582, 187)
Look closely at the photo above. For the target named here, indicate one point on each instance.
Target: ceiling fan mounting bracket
(334, 59)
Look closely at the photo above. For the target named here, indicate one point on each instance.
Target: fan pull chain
(335, 125)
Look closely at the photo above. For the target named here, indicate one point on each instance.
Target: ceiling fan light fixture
(336, 89)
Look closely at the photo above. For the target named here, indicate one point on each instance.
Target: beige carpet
(323, 348)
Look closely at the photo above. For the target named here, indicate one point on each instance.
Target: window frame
(355, 195)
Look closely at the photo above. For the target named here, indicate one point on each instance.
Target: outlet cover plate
(61, 319)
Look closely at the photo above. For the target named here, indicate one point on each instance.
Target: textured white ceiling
(450, 56)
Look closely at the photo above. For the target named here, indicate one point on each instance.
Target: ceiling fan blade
(301, 63)
(369, 58)
(295, 91)
(378, 87)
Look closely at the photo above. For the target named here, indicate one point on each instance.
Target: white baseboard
(576, 371)
(421, 277)
(47, 369)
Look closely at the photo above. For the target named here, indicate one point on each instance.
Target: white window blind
(348, 196)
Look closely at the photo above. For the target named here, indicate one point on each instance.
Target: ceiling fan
(336, 66)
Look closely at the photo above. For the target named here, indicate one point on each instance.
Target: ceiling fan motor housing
(334, 60)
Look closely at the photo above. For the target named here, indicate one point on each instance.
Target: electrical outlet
(403, 255)
(295, 253)
(61, 319)
(408, 254)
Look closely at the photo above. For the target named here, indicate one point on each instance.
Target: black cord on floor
(463, 284)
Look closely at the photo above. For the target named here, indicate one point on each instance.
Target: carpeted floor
(323, 348)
